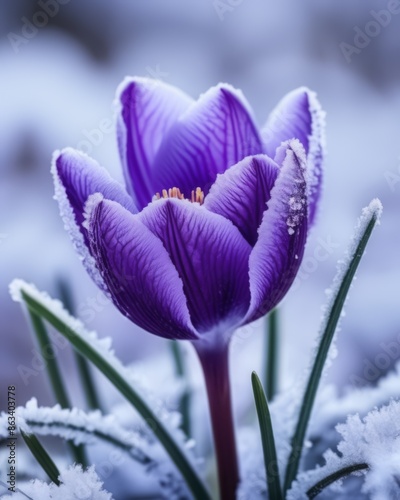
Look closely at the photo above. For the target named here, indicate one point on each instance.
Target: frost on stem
(75, 485)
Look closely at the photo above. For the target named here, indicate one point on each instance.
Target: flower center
(197, 195)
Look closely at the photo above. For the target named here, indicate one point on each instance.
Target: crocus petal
(76, 176)
(140, 277)
(241, 193)
(277, 255)
(211, 257)
(215, 133)
(82, 176)
(299, 115)
(148, 109)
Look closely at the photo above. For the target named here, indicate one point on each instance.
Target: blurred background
(60, 65)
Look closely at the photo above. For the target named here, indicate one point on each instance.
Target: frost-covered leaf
(370, 217)
(285, 407)
(78, 426)
(329, 410)
(99, 353)
(373, 441)
(76, 484)
(337, 297)
(332, 409)
(102, 346)
(89, 428)
(284, 410)
(267, 439)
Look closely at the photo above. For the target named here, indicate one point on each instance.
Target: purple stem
(214, 361)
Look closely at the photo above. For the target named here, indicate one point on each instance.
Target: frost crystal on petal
(297, 199)
(90, 205)
(317, 146)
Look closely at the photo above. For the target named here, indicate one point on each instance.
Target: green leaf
(267, 439)
(174, 450)
(178, 359)
(86, 378)
(87, 381)
(369, 219)
(50, 359)
(185, 400)
(340, 474)
(271, 358)
(42, 457)
(136, 453)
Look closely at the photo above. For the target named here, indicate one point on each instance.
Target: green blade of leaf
(50, 359)
(136, 454)
(41, 456)
(87, 381)
(178, 359)
(333, 316)
(340, 474)
(185, 400)
(86, 378)
(174, 450)
(267, 439)
(271, 368)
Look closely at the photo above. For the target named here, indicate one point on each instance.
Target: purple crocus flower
(210, 231)
(186, 270)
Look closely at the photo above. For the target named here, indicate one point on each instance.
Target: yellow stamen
(196, 197)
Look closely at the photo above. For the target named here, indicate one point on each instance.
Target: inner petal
(212, 135)
(210, 256)
(241, 194)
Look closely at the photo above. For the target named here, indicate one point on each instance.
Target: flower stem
(214, 361)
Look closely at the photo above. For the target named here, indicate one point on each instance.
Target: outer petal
(299, 115)
(141, 279)
(211, 257)
(148, 109)
(277, 255)
(241, 193)
(82, 176)
(215, 133)
(76, 176)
